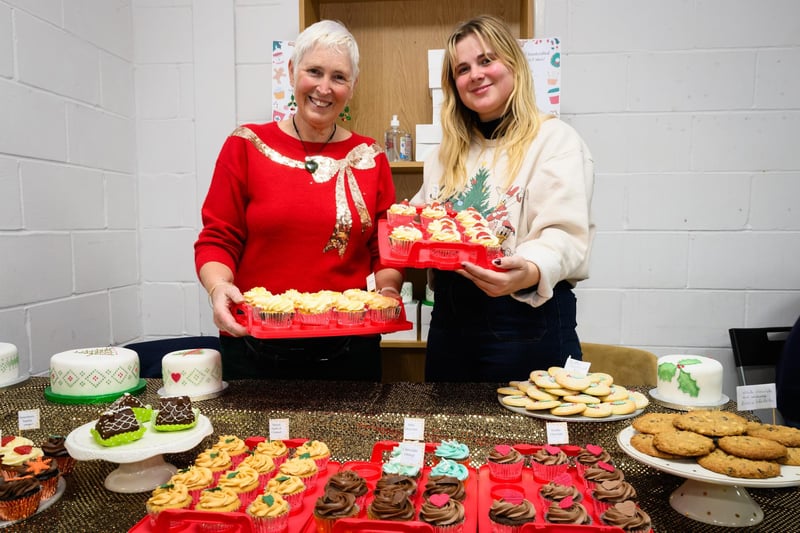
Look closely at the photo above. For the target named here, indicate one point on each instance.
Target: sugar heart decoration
(502, 449)
(566, 503)
(6, 439)
(594, 449)
(605, 466)
(628, 508)
(610, 484)
(23, 450)
(439, 500)
(552, 450)
(176, 376)
(563, 479)
(514, 498)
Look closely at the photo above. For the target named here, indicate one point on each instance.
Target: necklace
(311, 165)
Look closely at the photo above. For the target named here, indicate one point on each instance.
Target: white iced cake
(90, 372)
(9, 362)
(192, 372)
(689, 380)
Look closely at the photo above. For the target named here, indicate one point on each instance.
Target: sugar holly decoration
(686, 383)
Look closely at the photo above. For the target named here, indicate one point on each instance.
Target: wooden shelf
(402, 344)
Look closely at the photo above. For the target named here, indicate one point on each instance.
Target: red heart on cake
(628, 508)
(594, 449)
(552, 450)
(502, 449)
(23, 450)
(6, 439)
(566, 503)
(439, 500)
(176, 376)
(605, 466)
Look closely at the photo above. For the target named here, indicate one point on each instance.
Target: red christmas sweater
(275, 225)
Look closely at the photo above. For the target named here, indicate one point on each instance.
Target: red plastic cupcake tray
(243, 313)
(172, 520)
(431, 254)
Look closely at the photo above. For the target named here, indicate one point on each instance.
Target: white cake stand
(141, 463)
(709, 497)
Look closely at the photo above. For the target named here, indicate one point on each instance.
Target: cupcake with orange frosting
(276, 449)
(291, 488)
(236, 448)
(261, 463)
(219, 500)
(167, 496)
(269, 512)
(316, 450)
(243, 480)
(302, 466)
(194, 478)
(218, 461)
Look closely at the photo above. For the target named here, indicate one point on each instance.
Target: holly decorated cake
(192, 372)
(9, 362)
(689, 380)
(89, 373)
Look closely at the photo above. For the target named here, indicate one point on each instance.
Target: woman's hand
(516, 274)
(222, 297)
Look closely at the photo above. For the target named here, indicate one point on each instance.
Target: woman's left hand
(516, 274)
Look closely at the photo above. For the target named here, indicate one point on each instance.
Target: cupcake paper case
(443, 513)
(45, 470)
(505, 463)
(270, 513)
(333, 505)
(54, 447)
(19, 498)
(508, 516)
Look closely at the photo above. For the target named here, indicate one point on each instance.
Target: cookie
(597, 410)
(792, 457)
(517, 401)
(572, 381)
(581, 398)
(788, 436)
(643, 442)
(622, 407)
(723, 463)
(752, 447)
(543, 405)
(600, 377)
(508, 391)
(654, 422)
(639, 399)
(598, 389)
(683, 443)
(711, 423)
(553, 370)
(522, 385)
(618, 392)
(545, 381)
(568, 408)
(561, 392)
(539, 394)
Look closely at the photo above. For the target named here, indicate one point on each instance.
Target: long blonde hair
(521, 118)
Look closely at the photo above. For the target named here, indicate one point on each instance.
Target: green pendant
(311, 165)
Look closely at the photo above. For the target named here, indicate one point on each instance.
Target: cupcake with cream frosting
(217, 461)
(263, 464)
(349, 311)
(453, 450)
(316, 450)
(431, 212)
(401, 213)
(273, 311)
(446, 467)
(402, 237)
(314, 309)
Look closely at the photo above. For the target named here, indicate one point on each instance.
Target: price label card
(557, 433)
(412, 453)
(576, 366)
(762, 396)
(28, 419)
(414, 429)
(371, 284)
(278, 428)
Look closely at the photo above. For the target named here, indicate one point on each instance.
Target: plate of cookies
(561, 395)
(718, 447)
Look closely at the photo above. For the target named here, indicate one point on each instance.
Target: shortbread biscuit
(712, 423)
(598, 389)
(517, 401)
(683, 443)
(654, 422)
(618, 392)
(639, 399)
(508, 391)
(545, 381)
(622, 407)
(752, 447)
(582, 398)
(643, 442)
(723, 463)
(575, 382)
(561, 392)
(597, 410)
(600, 377)
(788, 436)
(539, 394)
(543, 405)
(568, 409)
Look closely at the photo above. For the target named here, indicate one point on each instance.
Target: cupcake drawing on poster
(544, 58)
(282, 96)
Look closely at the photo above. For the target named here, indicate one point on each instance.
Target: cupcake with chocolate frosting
(443, 513)
(627, 516)
(559, 488)
(590, 456)
(548, 462)
(505, 463)
(391, 504)
(333, 505)
(567, 511)
(452, 486)
(19, 497)
(608, 493)
(600, 472)
(509, 515)
(54, 447)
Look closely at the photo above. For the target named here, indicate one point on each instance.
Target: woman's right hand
(222, 299)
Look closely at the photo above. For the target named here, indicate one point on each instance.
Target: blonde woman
(531, 176)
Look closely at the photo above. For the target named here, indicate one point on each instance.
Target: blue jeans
(477, 338)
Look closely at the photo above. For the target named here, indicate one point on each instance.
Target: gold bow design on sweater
(361, 157)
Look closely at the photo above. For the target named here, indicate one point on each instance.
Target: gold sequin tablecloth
(350, 417)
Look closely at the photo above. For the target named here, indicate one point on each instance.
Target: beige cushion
(629, 366)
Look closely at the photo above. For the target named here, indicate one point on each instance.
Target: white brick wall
(114, 110)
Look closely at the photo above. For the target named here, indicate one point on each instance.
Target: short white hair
(328, 34)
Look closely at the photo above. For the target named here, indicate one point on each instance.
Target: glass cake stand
(709, 497)
(141, 463)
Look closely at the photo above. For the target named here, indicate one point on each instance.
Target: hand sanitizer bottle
(391, 140)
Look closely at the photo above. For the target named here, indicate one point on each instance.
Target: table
(350, 417)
